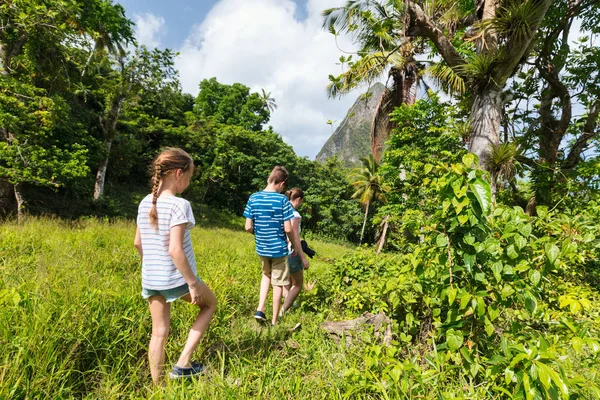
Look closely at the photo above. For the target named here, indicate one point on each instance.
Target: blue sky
(278, 45)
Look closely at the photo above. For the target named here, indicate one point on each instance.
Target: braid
(168, 160)
(155, 185)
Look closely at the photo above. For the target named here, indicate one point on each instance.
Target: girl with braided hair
(168, 265)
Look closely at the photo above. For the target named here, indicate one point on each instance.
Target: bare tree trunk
(362, 232)
(18, 187)
(485, 118)
(101, 174)
(385, 225)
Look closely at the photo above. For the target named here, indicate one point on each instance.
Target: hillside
(351, 139)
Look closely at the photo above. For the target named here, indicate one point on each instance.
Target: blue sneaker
(260, 317)
(177, 372)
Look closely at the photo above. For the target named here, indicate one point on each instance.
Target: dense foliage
(83, 110)
(489, 297)
(489, 273)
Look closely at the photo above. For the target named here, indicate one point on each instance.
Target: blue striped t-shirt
(158, 270)
(268, 211)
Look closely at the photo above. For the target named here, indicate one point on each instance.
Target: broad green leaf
(534, 277)
(552, 252)
(468, 239)
(497, 269)
(577, 344)
(493, 311)
(489, 328)
(544, 377)
(463, 218)
(480, 307)
(465, 353)
(441, 240)
(512, 252)
(483, 194)
(530, 302)
(454, 339)
(469, 160)
(594, 344)
(469, 261)
(451, 292)
(464, 301)
(541, 211)
(509, 375)
(564, 301)
(526, 230)
(507, 291)
(520, 241)
(458, 168)
(575, 307)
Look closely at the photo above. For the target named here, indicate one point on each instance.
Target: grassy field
(73, 323)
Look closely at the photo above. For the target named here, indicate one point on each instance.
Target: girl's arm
(181, 262)
(137, 242)
(295, 239)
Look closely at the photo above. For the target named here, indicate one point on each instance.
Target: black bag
(307, 250)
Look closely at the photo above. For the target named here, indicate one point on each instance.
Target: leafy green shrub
(496, 292)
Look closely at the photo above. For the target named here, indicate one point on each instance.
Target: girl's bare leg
(297, 279)
(161, 320)
(207, 305)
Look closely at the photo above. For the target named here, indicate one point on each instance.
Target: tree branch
(419, 24)
(589, 132)
(517, 47)
(550, 74)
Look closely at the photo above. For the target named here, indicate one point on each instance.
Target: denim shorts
(169, 294)
(295, 263)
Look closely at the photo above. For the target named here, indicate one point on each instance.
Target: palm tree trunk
(18, 187)
(362, 232)
(486, 115)
(101, 174)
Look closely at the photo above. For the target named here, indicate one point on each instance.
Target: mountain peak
(351, 140)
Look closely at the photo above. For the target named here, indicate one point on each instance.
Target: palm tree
(481, 45)
(374, 26)
(369, 186)
(268, 101)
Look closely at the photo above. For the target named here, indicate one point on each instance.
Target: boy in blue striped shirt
(268, 215)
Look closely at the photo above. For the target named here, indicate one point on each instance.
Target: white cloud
(149, 29)
(261, 44)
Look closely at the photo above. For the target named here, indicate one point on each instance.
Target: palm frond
(446, 78)
(368, 68)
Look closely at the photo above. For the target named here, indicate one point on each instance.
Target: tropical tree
(126, 77)
(268, 101)
(481, 44)
(369, 186)
(230, 105)
(40, 43)
(382, 52)
(555, 107)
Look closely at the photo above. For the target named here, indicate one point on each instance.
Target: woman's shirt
(158, 270)
(299, 217)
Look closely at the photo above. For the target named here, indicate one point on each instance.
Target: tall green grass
(74, 325)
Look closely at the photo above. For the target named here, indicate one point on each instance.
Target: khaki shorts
(277, 269)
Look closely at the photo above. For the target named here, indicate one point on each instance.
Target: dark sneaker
(177, 372)
(260, 317)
